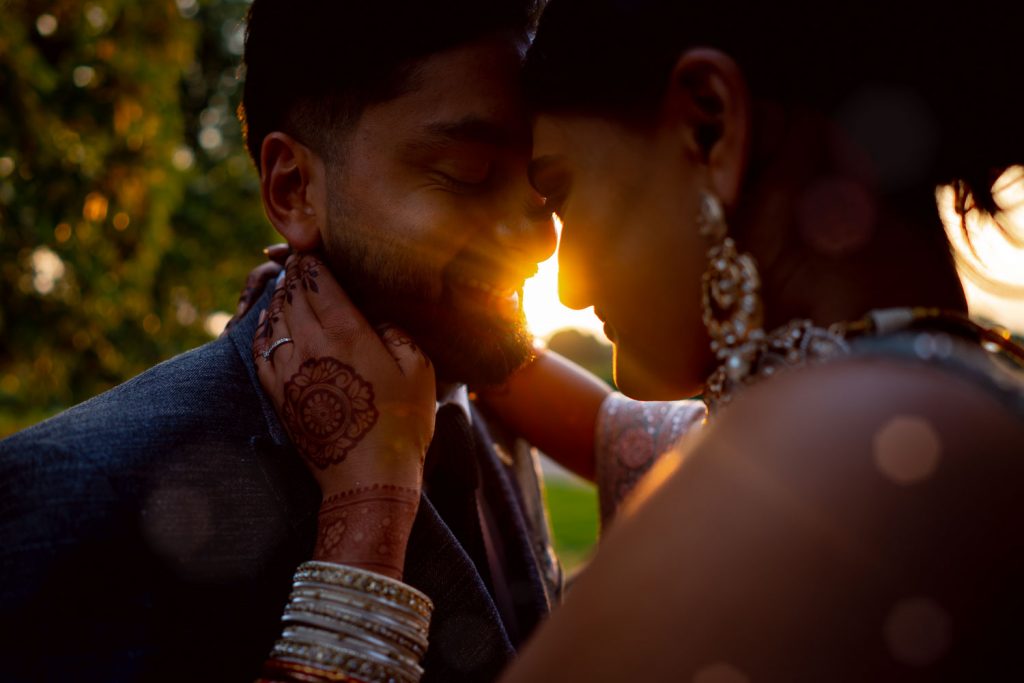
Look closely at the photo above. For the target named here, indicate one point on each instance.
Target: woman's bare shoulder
(818, 508)
(857, 405)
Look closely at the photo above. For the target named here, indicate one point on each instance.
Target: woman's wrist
(367, 526)
(346, 624)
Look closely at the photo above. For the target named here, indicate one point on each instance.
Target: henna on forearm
(367, 527)
(328, 409)
(632, 436)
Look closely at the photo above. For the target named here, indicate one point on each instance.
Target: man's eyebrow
(471, 129)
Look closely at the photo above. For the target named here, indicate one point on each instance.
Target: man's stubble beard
(386, 282)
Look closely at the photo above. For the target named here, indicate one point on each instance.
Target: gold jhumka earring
(734, 317)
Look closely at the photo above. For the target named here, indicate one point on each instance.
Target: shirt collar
(459, 396)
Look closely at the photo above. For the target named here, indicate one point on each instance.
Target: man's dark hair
(312, 66)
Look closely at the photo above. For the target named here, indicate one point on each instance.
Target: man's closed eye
(463, 176)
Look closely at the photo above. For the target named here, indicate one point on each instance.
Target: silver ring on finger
(273, 347)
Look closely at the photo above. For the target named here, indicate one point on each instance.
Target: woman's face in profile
(627, 199)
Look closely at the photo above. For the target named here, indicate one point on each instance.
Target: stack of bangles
(348, 624)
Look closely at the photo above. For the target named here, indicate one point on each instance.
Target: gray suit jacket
(151, 532)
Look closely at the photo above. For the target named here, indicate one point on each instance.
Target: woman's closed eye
(552, 180)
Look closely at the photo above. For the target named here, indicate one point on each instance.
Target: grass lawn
(574, 520)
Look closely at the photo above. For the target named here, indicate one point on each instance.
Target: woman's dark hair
(311, 66)
(934, 94)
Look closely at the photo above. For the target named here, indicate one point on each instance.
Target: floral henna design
(633, 436)
(328, 409)
(395, 338)
(367, 526)
(398, 492)
(636, 449)
(304, 275)
(265, 330)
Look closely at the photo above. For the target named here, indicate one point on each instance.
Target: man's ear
(708, 100)
(293, 185)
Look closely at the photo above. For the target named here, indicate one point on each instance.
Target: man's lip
(504, 303)
(493, 280)
(501, 292)
(488, 288)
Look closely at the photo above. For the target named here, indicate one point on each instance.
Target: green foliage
(585, 350)
(573, 509)
(129, 213)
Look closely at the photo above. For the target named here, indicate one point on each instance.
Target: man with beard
(151, 532)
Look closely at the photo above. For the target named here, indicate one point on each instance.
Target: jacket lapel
(467, 639)
(241, 336)
(522, 572)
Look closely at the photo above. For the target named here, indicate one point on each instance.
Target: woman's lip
(609, 329)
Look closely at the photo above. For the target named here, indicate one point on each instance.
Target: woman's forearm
(554, 404)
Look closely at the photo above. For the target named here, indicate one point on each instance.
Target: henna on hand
(368, 527)
(328, 409)
(255, 283)
(304, 275)
(396, 338)
(265, 330)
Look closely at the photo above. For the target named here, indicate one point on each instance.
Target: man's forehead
(473, 129)
(468, 94)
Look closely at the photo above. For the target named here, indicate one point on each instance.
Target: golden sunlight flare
(991, 267)
(991, 262)
(545, 314)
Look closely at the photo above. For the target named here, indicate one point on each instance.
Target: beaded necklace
(800, 342)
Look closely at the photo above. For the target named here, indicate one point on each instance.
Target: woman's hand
(359, 406)
(256, 281)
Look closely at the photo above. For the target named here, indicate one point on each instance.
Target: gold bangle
(294, 669)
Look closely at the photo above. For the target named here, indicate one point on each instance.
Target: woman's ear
(293, 186)
(707, 98)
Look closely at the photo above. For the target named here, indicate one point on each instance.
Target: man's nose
(526, 228)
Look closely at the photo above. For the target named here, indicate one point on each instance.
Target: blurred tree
(129, 212)
(585, 350)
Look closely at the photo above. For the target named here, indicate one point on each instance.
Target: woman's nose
(574, 280)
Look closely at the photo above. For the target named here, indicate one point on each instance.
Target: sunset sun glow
(991, 264)
(545, 314)
(991, 268)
